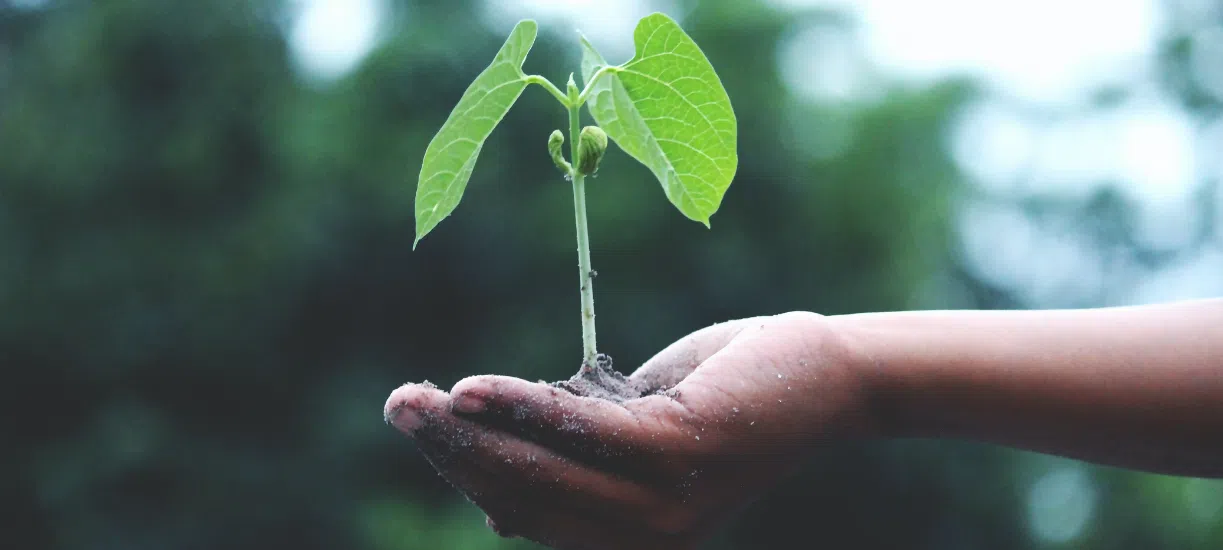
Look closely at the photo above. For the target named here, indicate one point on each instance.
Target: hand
(731, 409)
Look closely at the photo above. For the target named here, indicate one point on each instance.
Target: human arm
(749, 400)
(730, 410)
(1134, 387)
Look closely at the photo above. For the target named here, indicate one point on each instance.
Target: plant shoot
(665, 107)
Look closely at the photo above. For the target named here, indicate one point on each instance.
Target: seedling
(665, 107)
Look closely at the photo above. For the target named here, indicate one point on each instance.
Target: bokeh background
(207, 288)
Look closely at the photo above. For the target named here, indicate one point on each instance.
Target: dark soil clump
(601, 381)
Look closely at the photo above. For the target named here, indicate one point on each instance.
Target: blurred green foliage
(208, 291)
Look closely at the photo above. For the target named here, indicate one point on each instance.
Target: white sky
(607, 23)
(1046, 56)
(329, 37)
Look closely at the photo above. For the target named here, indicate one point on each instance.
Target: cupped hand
(728, 411)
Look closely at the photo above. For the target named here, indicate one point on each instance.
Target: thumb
(675, 362)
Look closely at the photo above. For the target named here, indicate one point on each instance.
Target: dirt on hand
(602, 381)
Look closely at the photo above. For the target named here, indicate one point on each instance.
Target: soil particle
(602, 381)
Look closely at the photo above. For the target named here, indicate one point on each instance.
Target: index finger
(595, 431)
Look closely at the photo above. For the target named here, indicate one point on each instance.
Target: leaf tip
(584, 41)
(421, 231)
(528, 26)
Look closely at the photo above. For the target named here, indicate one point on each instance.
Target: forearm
(1134, 387)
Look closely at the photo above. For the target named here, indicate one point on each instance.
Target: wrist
(845, 380)
(878, 372)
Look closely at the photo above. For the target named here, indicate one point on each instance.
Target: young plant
(665, 107)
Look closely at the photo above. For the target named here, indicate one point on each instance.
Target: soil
(602, 381)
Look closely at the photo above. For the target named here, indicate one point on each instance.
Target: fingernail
(467, 404)
(404, 418)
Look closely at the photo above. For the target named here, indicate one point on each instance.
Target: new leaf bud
(555, 143)
(591, 145)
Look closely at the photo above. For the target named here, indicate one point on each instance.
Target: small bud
(572, 87)
(591, 146)
(555, 143)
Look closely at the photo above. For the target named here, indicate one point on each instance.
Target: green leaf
(667, 108)
(452, 154)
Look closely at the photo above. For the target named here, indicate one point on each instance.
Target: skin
(747, 401)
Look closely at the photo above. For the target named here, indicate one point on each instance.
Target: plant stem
(589, 352)
(551, 88)
(590, 85)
